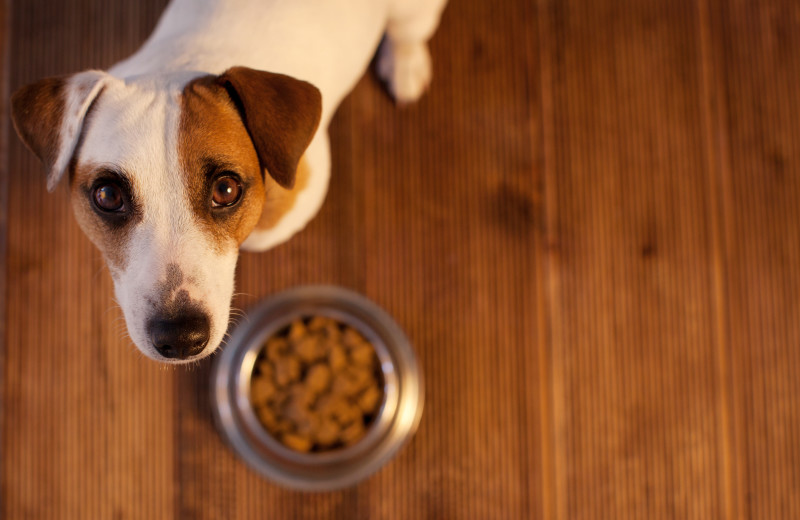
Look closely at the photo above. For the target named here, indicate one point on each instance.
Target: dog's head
(167, 178)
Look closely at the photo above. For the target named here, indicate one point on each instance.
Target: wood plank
(729, 467)
(756, 49)
(5, 42)
(637, 406)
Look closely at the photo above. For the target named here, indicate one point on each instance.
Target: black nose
(180, 338)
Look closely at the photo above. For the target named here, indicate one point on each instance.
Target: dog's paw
(405, 68)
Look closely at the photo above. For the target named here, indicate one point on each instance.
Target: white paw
(406, 69)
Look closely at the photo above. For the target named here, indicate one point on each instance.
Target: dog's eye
(226, 192)
(108, 197)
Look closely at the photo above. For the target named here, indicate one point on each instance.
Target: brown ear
(281, 115)
(48, 116)
(37, 111)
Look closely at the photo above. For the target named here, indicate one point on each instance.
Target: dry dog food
(316, 385)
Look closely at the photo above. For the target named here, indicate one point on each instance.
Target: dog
(212, 138)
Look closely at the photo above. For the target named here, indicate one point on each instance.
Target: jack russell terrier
(212, 137)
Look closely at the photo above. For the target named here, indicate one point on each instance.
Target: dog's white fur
(134, 123)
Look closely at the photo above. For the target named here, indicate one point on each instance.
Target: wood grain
(588, 228)
(634, 357)
(756, 52)
(4, 165)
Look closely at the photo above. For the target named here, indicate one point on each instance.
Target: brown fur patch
(279, 200)
(109, 235)
(37, 111)
(281, 114)
(211, 140)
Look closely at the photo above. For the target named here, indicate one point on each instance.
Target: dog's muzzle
(182, 337)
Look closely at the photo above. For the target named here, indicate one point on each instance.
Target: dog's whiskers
(99, 270)
(239, 315)
(111, 308)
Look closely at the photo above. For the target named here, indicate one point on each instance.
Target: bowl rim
(396, 423)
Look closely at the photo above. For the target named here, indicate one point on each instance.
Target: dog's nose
(182, 337)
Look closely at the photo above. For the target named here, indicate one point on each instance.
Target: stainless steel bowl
(397, 419)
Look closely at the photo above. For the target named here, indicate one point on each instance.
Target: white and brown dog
(189, 149)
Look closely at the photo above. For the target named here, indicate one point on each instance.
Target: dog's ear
(281, 115)
(48, 116)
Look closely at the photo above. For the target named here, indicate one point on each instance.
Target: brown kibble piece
(293, 411)
(333, 332)
(261, 390)
(343, 385)
(328, 433)
(353, 433)
(337, 358)
(326, 404)
(287, 370)
(276, 348)
(297, 331)
(318, 378)
(337, 409)
(352, 338)
(297, 442)
(278, 398)
(363, 355)
(370, 400)
(267, 417)
(300, 395)
(308, 349)
(308, 425)
(346, 413)
(283, 426)
(319, 323)
(266, 369)
(360, 378)
(325, 346)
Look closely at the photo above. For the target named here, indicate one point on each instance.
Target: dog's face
(167, 178)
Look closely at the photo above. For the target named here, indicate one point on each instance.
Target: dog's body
(188, 149)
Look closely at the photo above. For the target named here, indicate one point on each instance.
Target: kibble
(287, 370)
(296, 442)
(316, 385)
(276, 348)
(262, 390)
(318, 378)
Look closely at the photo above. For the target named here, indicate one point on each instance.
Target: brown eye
(108, 197)
(226, 192)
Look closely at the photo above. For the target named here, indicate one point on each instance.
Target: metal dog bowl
(397, 419)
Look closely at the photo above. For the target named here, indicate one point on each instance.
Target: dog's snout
(180, 338)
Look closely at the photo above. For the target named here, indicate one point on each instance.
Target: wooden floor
(589, 228)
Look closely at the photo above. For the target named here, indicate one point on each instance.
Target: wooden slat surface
(634, 351)
(588, 228)
(756, 49)
(4, 164)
